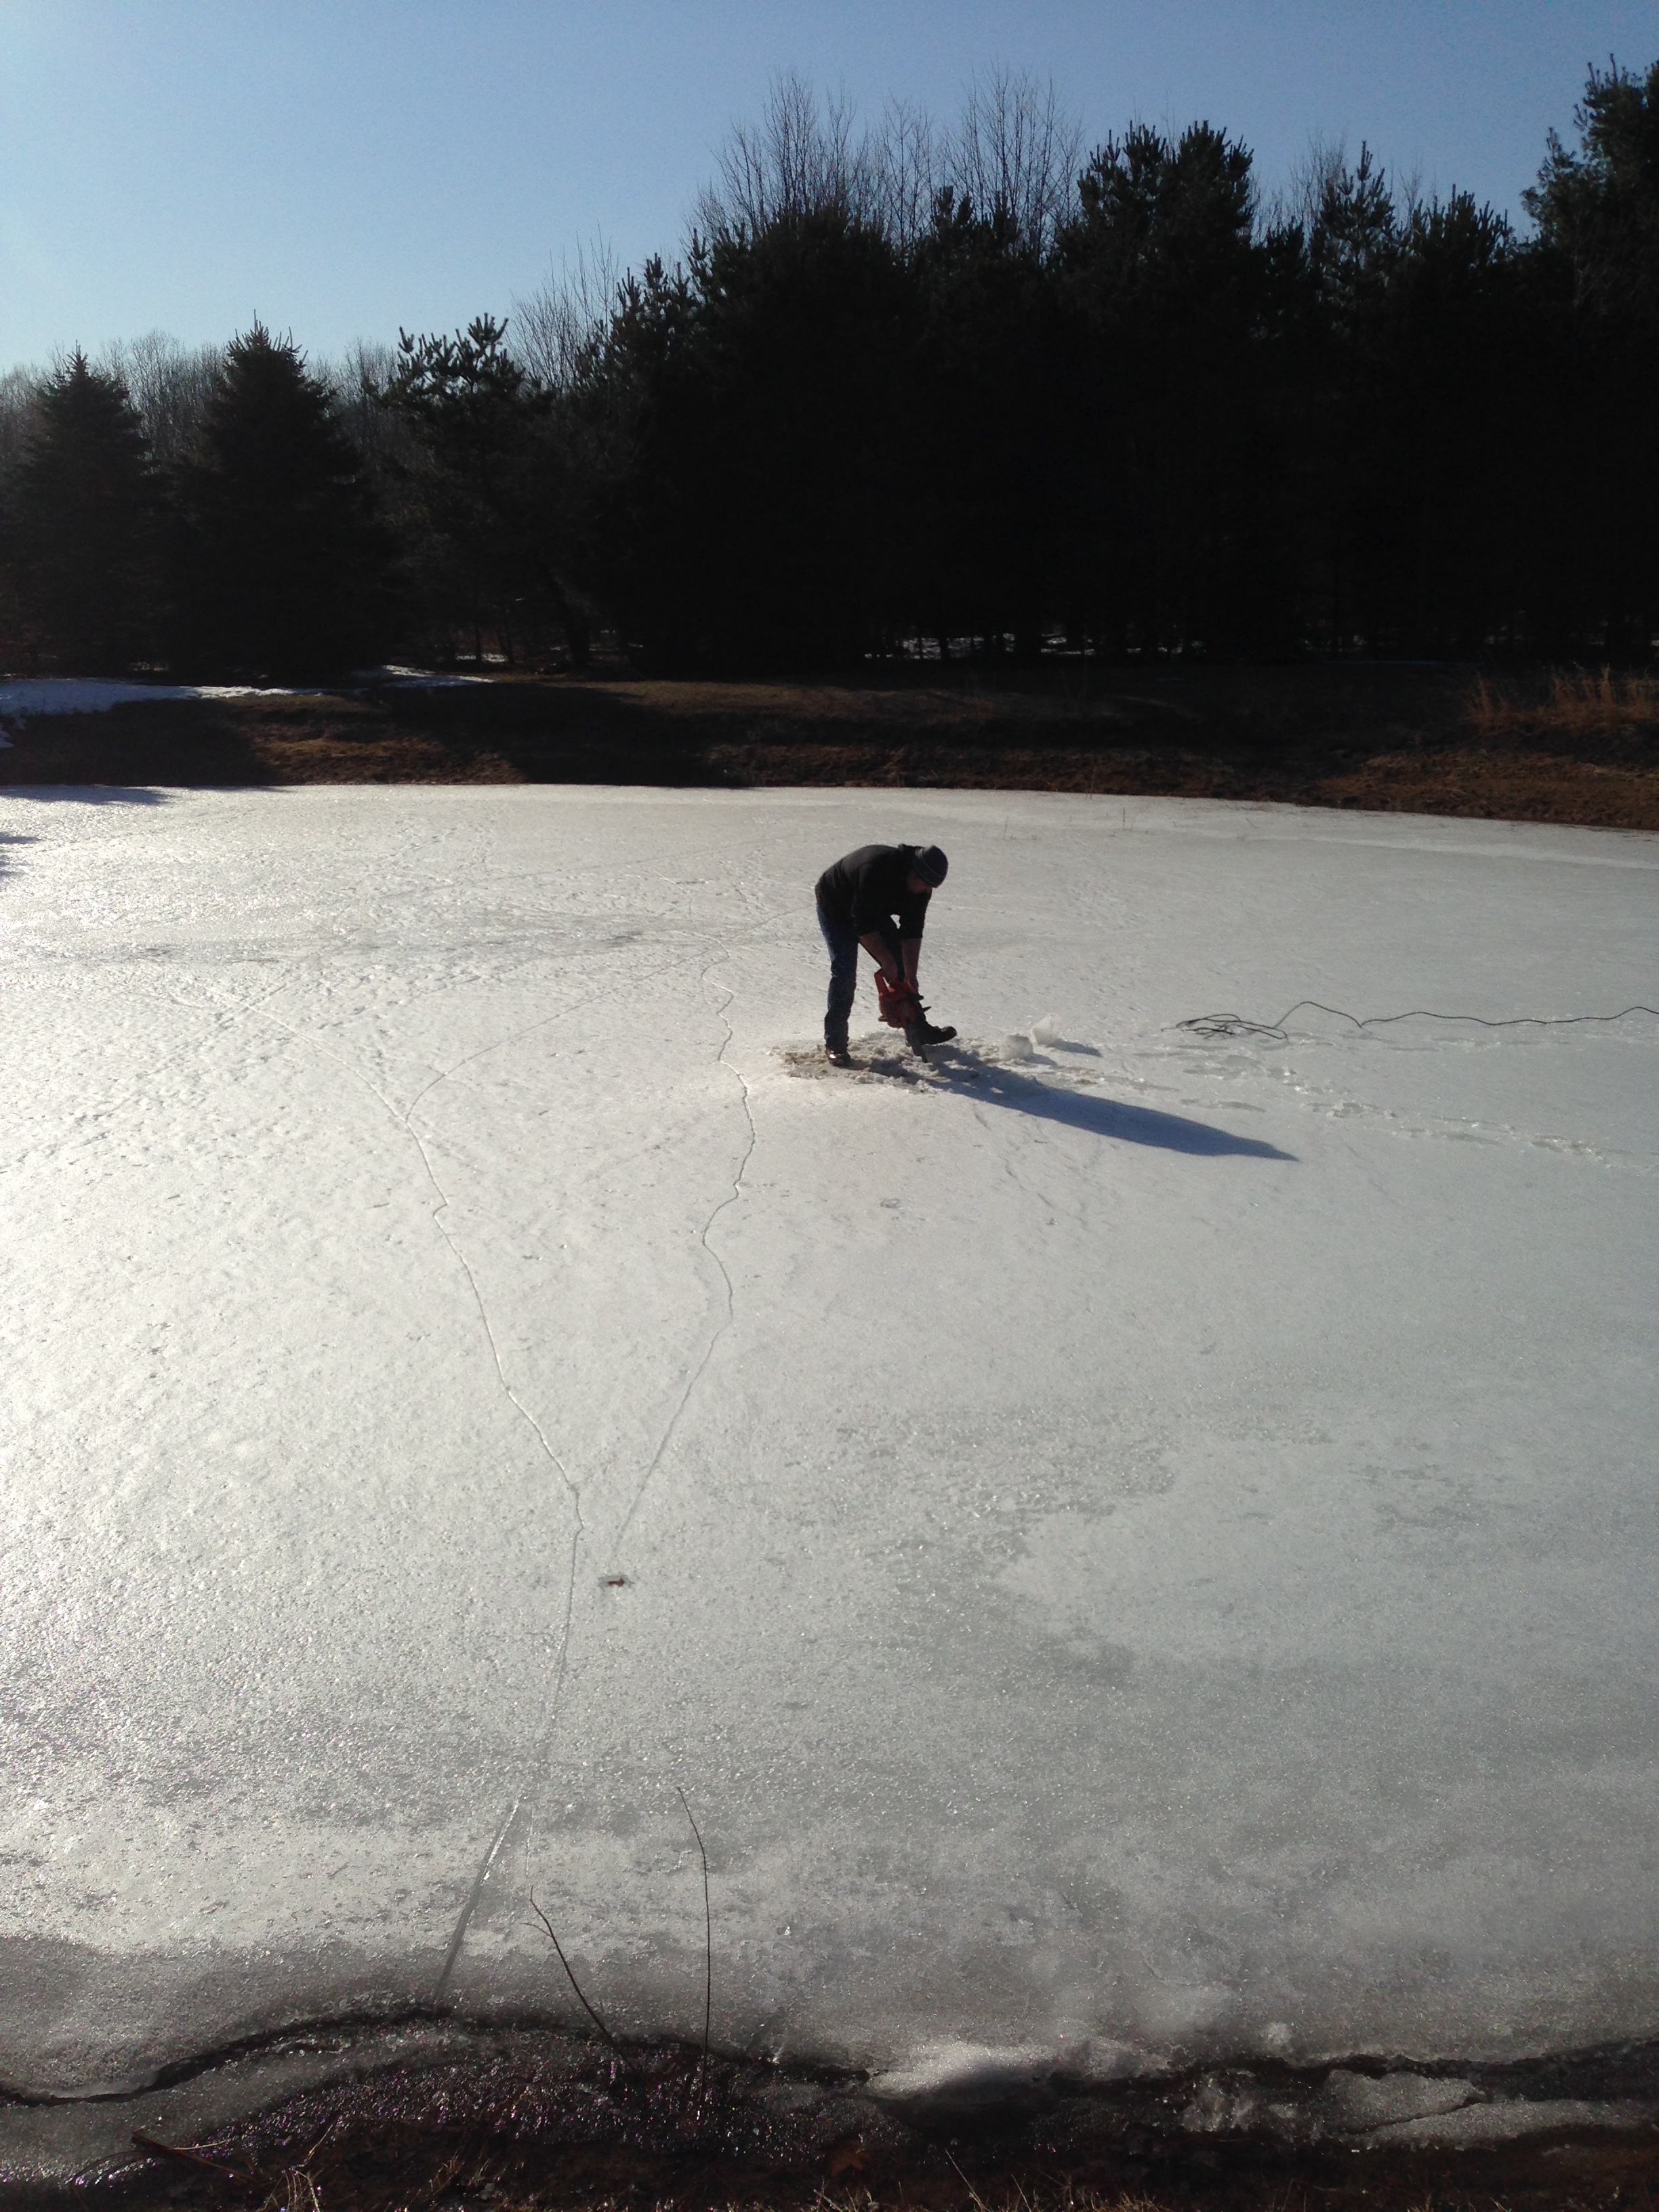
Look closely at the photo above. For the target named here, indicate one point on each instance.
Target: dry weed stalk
(582, 1996)
(1579, 702)
(707, 1953)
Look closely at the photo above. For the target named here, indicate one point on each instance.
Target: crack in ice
(731, 1198)
(547, 1721)
(551, 1702)
(536, 1760)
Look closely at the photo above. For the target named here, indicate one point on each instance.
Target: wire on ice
(1238, 1025)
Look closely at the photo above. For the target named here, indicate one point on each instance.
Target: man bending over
(878, 898)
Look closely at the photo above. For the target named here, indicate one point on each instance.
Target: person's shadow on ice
(1113, 1117)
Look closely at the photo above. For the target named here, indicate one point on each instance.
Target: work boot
(836, 1055)
(928, 1032)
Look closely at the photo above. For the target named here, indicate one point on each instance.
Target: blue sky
(341, 169)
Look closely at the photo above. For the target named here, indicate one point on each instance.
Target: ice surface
(1353, 2103)
(1479, 2126)
(1145, 1553)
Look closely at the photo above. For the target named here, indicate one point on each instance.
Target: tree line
(909, 390)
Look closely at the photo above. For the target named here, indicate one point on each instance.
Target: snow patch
(955, 2072)
(429, 679)
(23, 698)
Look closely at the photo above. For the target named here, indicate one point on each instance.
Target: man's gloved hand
(899, 1006)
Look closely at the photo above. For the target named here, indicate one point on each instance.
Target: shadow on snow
(1112, 1118)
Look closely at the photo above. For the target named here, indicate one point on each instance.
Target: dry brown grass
(1553, 745)
(480, 2170)
(1570, 705)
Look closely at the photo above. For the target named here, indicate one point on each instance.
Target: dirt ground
(1544, 747)
(488, 2170)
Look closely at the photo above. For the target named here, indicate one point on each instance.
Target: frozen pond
(1142, 1549)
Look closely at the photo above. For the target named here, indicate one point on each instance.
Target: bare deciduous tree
(558, 328)
(906, 159)
(20, 410)
(802, 158)
(355, 382)
(170, 385)
(1017, 151)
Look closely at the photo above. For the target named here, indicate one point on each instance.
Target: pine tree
(77, 525)
(991, 496)
(758, 511)
(1597, 212)
(495, 482)
(1600, 207)
(282, 568)
(1167, 283)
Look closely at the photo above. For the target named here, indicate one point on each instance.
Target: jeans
(843, 940)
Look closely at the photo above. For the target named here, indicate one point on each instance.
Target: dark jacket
(869, 887)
